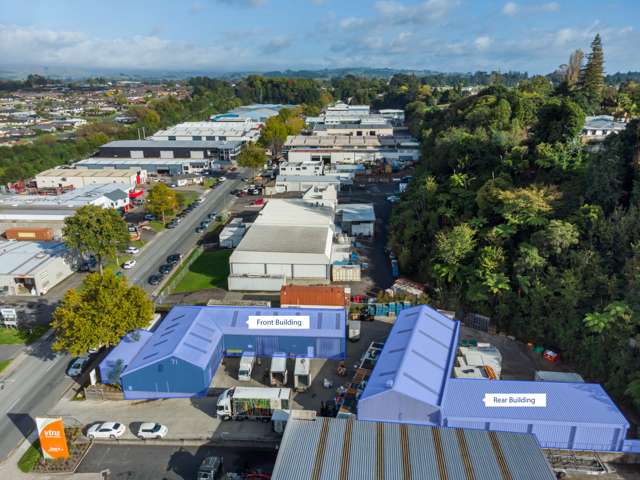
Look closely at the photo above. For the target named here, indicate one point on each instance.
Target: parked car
(165, 268)
(152, 430)
(133, 250)
(77, 366)
(210, 468)
(174, 258)
(155, 279)
(129, 264)
(211, 216)
(393, 198)
(222, 179)
(235, 191)
(150, 217)
(205, 223)
(171, 224)
(200, 229)
(106, 430)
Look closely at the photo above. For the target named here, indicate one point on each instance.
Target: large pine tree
(592, 76)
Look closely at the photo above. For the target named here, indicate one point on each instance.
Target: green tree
(592, 76)
(559, 120)
(527, 207)
(100, 313)
(615, 314)
(98, 231)
(252, 156)
(161, 201)
(273, 135)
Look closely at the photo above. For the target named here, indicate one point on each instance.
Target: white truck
(247, 361)
(302, 374)
(240, 403)
(278, 374)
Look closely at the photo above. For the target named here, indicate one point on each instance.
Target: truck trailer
(302, 374)
(278, 374)
(247, 361)
(240, 403)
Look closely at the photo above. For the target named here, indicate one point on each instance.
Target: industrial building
(302, 183)
(305, 169)
(32, 268)
(348, 149)
(333, 449)
(357, 219)
(172, 167)
(49, 211)
(210, 150)
(83, 177)
(258, 112)
(122, 354)
(291, 240)
(183, 353)
(354, 129)
(225, 129)
(411, 383)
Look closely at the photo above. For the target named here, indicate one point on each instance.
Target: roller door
(247, 268)
(278, 270)
(309, 271)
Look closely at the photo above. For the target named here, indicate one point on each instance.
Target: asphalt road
(182, 238)
(170, 462)
(33, 388)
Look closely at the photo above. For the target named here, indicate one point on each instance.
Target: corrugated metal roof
(312, 295)
(192, 333)
(24, 258)
(417, 357)
(172, 144)
(331, 448)
(567, 403)
(125, 351)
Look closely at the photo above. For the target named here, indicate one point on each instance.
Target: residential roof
(312, 295)
(334, 448)
(572, 403)
(172, 144)
(192, 333)
(357, 212)
(25, 258)
(607, 122)
(416, 360)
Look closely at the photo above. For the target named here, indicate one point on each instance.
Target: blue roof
(571, 403)
(192, 333)
(417, 357)
(125, 351)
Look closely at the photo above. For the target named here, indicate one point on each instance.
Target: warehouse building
(348, 149)
(172, 167)
(49, 211)
(302, 183)
(84, 177)
(181, 357)
(334, 449)
(357, 219)
(32, 268)
(224, 129)
(290, 241)
(112, 366)
(411, 383)
(258, 112)
(354, 129)
(211, 150)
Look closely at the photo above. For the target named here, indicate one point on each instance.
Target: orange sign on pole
(52, 439)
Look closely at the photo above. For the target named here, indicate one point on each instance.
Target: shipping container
(41, 234)
(345, 273)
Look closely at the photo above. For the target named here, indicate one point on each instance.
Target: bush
(30, 458)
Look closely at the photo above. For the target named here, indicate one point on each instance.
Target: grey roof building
(333, 448)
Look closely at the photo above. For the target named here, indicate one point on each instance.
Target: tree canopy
(98, 231)
(99, 313)
(161, 201)
(252, 156)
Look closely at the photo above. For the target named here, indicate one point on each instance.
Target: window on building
(197, 137)
(172, 137)
(210, 138)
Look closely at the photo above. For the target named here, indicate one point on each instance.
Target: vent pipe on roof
(389, 383)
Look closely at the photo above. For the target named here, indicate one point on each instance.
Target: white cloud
(243, 3)
(512, 9)
(276, 44)
(351, 22)
(399, 13)
(483, 42)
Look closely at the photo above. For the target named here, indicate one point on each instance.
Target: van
(247, 361)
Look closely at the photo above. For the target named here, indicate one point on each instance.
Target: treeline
(512, 217)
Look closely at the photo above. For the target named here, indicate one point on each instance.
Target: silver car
(152, 430)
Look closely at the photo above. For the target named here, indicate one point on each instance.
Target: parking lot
(172, 462)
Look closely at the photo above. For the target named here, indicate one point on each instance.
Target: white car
(106, 430)
(393, 198)
(152, 430)
(222, 179)
(133, 250)
(129, 264)
(77, 366)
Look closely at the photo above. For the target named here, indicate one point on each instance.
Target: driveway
(171, 462)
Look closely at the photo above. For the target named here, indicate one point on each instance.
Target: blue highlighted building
(411, 383)
(181, 357)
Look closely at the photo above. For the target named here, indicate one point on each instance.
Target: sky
(234, 35)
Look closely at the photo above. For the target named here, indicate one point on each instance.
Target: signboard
(9, 317)
(52, 439)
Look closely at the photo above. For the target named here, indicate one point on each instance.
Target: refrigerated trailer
(240, 403)
(278, 374)
(302, 374)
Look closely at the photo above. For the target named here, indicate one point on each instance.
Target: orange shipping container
(320, 296)
(42, 234)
